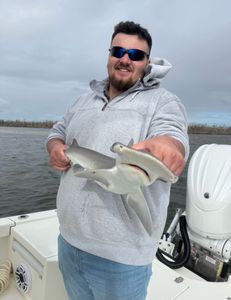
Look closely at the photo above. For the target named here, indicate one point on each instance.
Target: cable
(180, 260)
(5, 268)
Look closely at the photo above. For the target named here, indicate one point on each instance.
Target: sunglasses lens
(134, 54)
(118, 52)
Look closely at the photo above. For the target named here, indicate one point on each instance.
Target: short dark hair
(132, 28)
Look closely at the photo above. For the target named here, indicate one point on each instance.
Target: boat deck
(165, 283)
(12, 292)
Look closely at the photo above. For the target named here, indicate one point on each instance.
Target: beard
(120, 84)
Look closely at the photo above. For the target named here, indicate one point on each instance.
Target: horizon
(53, 121)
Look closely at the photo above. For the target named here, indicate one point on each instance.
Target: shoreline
(192, 129)
(209, 129)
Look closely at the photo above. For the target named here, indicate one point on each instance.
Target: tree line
(32, 124)
(208, 129)
(192, 129)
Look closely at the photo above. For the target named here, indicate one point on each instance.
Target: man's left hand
(169, 150)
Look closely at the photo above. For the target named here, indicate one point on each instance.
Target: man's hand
(169, 150)
(58, 159)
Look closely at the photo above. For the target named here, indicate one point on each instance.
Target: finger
(176, 165)
(179, 169)
(61, 158)
(59, 163)
(64, 159)
(140, 146)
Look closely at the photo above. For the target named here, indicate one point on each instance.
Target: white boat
(28, 243)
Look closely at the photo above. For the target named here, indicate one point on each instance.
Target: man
(105, 252)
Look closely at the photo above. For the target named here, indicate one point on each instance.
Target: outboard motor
(208, 211)
(208, 216)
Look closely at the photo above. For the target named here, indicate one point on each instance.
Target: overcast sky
(51, 49)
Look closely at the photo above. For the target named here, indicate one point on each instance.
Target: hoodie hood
(155, 71)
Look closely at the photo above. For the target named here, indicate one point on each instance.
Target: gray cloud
(3, 105)
(50, 50)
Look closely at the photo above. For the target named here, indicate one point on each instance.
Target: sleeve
(59, 128)
(170, 119)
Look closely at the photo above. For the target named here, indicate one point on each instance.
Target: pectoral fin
(100, 176)
(77, 169)
(137, 201)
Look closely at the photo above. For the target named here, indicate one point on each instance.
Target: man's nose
(125, 58)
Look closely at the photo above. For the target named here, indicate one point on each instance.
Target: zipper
(104, 107)
(124, 96)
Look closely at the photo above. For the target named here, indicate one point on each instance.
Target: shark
(126, 174)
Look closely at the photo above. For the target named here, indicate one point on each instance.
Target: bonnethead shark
(126, 174)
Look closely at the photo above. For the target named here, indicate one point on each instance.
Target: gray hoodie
(91, 218)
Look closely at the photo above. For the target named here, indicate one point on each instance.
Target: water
(29, 184)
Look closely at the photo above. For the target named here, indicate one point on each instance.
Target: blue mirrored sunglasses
(133, 54)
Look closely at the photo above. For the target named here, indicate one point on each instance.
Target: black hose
(180, 260)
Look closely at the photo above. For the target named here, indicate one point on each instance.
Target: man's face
(124, 72)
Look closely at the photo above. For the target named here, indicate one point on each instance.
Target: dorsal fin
(75, 143)
(131, 143)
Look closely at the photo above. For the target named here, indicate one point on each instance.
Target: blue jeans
(89, 277)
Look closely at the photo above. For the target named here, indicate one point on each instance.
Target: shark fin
(75, 143)
(131, 143)
(138, 203)
(99, 176)
(77, 168)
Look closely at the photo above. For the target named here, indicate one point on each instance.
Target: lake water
(29, 184)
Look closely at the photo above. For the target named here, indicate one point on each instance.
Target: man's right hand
(58, 159)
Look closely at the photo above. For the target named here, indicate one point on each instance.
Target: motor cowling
(208, 198)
